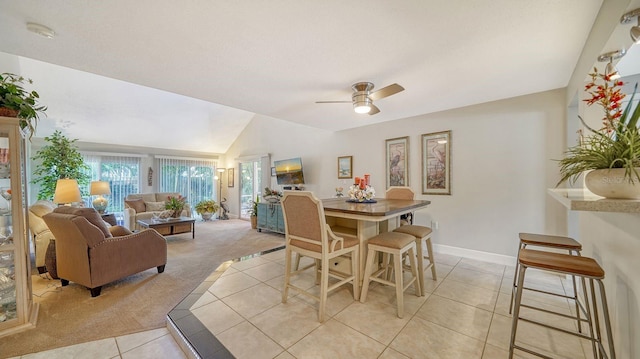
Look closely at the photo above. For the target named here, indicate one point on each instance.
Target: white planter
(206, 216)
(611, 183)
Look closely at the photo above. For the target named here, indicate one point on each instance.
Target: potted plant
(176, 204)
(612, 152)
(16, 101)
(253, 213)
(206, 208)
(59, 159)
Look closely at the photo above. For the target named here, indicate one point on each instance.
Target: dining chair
(308, 234)
(422, 235)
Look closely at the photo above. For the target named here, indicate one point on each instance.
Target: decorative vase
(177, 213)
(611, 183)
(206, 216)
(254, 222)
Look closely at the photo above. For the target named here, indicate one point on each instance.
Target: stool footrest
(583, 336)
(531, 352)
(554, 312)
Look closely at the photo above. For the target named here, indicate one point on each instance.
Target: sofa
(92, 254)
(144, 205)
(40, 231)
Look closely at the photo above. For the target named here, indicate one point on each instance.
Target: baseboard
(473, 254)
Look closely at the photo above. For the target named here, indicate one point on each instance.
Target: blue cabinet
(270, 217)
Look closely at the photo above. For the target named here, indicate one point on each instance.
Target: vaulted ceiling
(191, 74)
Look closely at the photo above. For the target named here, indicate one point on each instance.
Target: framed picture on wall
(273, 171)
(345, 167)
(230, 177)
(436, 163)
(397, 165)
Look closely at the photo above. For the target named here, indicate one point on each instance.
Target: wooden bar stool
(577, 266)
(421, 235)
(395, 245)
(555, 242)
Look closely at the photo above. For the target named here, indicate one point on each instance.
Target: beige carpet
(140, 302)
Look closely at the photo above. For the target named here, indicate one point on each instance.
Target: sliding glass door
(250, 185)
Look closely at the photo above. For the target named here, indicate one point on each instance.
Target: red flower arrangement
(607, 93)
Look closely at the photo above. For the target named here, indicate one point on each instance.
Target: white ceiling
(276, 58)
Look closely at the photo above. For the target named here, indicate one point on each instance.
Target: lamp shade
(67, 191)
(100, 188)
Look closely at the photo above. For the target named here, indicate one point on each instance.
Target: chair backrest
(304, 218)
(399, 192)
(36, 211)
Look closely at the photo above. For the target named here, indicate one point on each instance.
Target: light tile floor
(463, 315)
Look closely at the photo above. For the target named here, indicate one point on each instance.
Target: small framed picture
(397, 161)
(345, 167)
(273, 171)
(230, 177)
(436, 163)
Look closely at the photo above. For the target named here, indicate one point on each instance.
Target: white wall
(501, 165)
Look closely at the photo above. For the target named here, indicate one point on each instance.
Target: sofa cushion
(90, 214)
(138, 205)
(147, 197)
(155, 206)
(164, 196)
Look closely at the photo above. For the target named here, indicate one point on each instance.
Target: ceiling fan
(362, 97)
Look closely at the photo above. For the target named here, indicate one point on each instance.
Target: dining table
(367, 219)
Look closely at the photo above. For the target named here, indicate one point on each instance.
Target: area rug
(68, 315)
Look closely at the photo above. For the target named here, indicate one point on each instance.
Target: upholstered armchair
(87, 252)
(40, 232)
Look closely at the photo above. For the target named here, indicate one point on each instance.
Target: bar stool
(577, 266)
(421, 235)
(555, 242)
(395, 245)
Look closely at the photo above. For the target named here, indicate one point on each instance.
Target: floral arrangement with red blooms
(607, 94)
(616, 144)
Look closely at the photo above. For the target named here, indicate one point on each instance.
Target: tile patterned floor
(463, 315)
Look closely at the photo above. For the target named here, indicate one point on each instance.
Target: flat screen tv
(289, 172)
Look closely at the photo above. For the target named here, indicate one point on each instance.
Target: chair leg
(607, 320)
(161, 268)
(431, 259)
(516, 310)
(420, 256)
(64, 282)
(416, 282)
(515, 278)
(324, 286)
(296, 266)
(287, 274)
(367, 275)
(95, 291)
(397, 269)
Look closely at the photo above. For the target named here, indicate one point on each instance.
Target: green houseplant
(253, 213)
(176, 204)
(59, 159)
(206, 208)
(16, 101)
(615, 146)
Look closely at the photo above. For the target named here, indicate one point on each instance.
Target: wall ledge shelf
(584, 200)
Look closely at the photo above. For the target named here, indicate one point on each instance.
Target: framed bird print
(436, 163)
(397, 161)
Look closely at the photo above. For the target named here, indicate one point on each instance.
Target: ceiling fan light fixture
(361, 102)
(41, 30)
(635, 30)
(610, 70)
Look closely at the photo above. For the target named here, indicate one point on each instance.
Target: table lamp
(100, 188)
(67, 192)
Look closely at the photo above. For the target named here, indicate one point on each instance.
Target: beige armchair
(40, 232)
(88, 254)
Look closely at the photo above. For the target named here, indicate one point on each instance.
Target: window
(121, 171)
(192, 178)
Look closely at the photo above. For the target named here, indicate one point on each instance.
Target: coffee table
(171, 226)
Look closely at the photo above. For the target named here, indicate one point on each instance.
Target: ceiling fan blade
(333, 101)
(386, 91)
(374, 110)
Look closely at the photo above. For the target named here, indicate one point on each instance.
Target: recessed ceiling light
(41, 30)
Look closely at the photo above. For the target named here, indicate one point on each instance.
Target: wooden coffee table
(171, 226)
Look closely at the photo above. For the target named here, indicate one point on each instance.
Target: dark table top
(382, 208)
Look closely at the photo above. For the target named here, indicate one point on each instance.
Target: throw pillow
(90, 214)
(119, 231)
(137, 205)
(154, 206)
